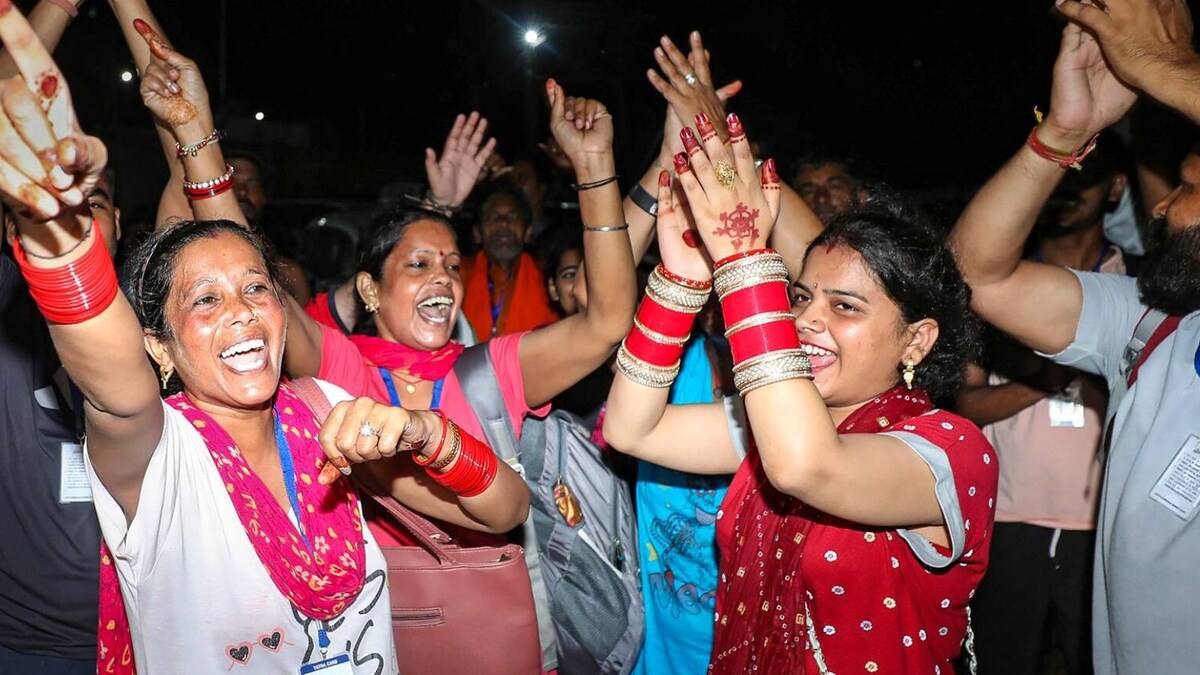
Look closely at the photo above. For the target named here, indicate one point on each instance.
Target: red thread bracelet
(1072, 160)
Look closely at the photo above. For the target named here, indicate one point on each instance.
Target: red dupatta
(761, 618)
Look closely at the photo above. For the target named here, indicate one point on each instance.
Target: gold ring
(726, 176)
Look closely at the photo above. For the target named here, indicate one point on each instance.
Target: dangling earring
(909, 373)
(164, 374)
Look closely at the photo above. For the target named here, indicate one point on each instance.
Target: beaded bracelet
(191, 149)
(209, 188)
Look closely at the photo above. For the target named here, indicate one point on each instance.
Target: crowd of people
(859, 439)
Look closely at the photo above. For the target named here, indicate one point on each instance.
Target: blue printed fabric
(677, 514)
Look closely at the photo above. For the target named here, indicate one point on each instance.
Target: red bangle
(655, 353)
(757, 340)
(664, 319)
(1071, 160)
(197, 195)
(438, 451)
(75, 292)
(473, 473)
(740, 256)
(766, 297)
(684, 281)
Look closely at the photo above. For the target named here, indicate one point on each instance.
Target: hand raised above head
(45, 159)
(734, 208)
(172, 87)
(679, 243)
(582, 127)
(1141, 39)
(464, 156)
(686, 84)
(1086, 96)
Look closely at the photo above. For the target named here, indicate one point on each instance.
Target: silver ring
(690, 78)
(366, 430)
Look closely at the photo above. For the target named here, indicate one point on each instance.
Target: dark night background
(931, 95)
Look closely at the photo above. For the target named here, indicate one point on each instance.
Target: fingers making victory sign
(46, 161)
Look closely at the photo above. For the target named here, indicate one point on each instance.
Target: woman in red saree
(857, 526)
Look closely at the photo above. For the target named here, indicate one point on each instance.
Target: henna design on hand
(739, 225)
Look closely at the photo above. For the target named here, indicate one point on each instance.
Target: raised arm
(638, 421)
(1038, 304)
(559, 355)
(174, 92)
(67, 266)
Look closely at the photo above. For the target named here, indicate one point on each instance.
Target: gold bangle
(451, 452)
(661, 339)
(758, 320)
(645, 374)
(673, 304)
(776, 366)
(691, 299)
(751, 271)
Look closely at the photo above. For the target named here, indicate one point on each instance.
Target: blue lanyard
(289, 480)
(395, 397)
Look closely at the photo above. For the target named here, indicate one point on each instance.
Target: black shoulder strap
(482, 391)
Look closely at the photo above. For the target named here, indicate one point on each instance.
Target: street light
(259, 116)
(126, 76)
(534, 37)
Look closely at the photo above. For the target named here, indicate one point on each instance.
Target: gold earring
(164, 374)
(909, 373)
(372, 308)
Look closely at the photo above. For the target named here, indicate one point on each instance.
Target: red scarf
(398, 358)
(320, 583)
(765, 519)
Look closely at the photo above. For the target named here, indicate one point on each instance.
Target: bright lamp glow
(126, 76)
(259, 116)
(534, 37)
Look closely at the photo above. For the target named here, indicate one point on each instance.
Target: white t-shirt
(197, 596)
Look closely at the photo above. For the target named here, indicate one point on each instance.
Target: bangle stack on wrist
(209, 188)
(475, 470)
(77, 291)
(752, 287)
(650, 354)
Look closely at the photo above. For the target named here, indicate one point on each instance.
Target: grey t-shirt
(1146, 603)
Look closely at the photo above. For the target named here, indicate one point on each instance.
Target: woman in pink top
(410, 285)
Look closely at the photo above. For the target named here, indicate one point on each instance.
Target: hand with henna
(47, 164)
(733, 207)
(453, 175)
(687, 98)
(173, 89)
(678, 242)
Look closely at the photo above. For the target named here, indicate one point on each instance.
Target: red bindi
(48, 86)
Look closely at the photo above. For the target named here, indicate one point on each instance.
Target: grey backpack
(585, 576)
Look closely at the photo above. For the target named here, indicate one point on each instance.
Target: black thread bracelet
(579, 187)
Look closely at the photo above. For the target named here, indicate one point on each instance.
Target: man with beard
(505, 290)
(1045, 421)
(1145, 593)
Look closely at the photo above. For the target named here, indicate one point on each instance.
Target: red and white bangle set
(650, 354)
(752, 287)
